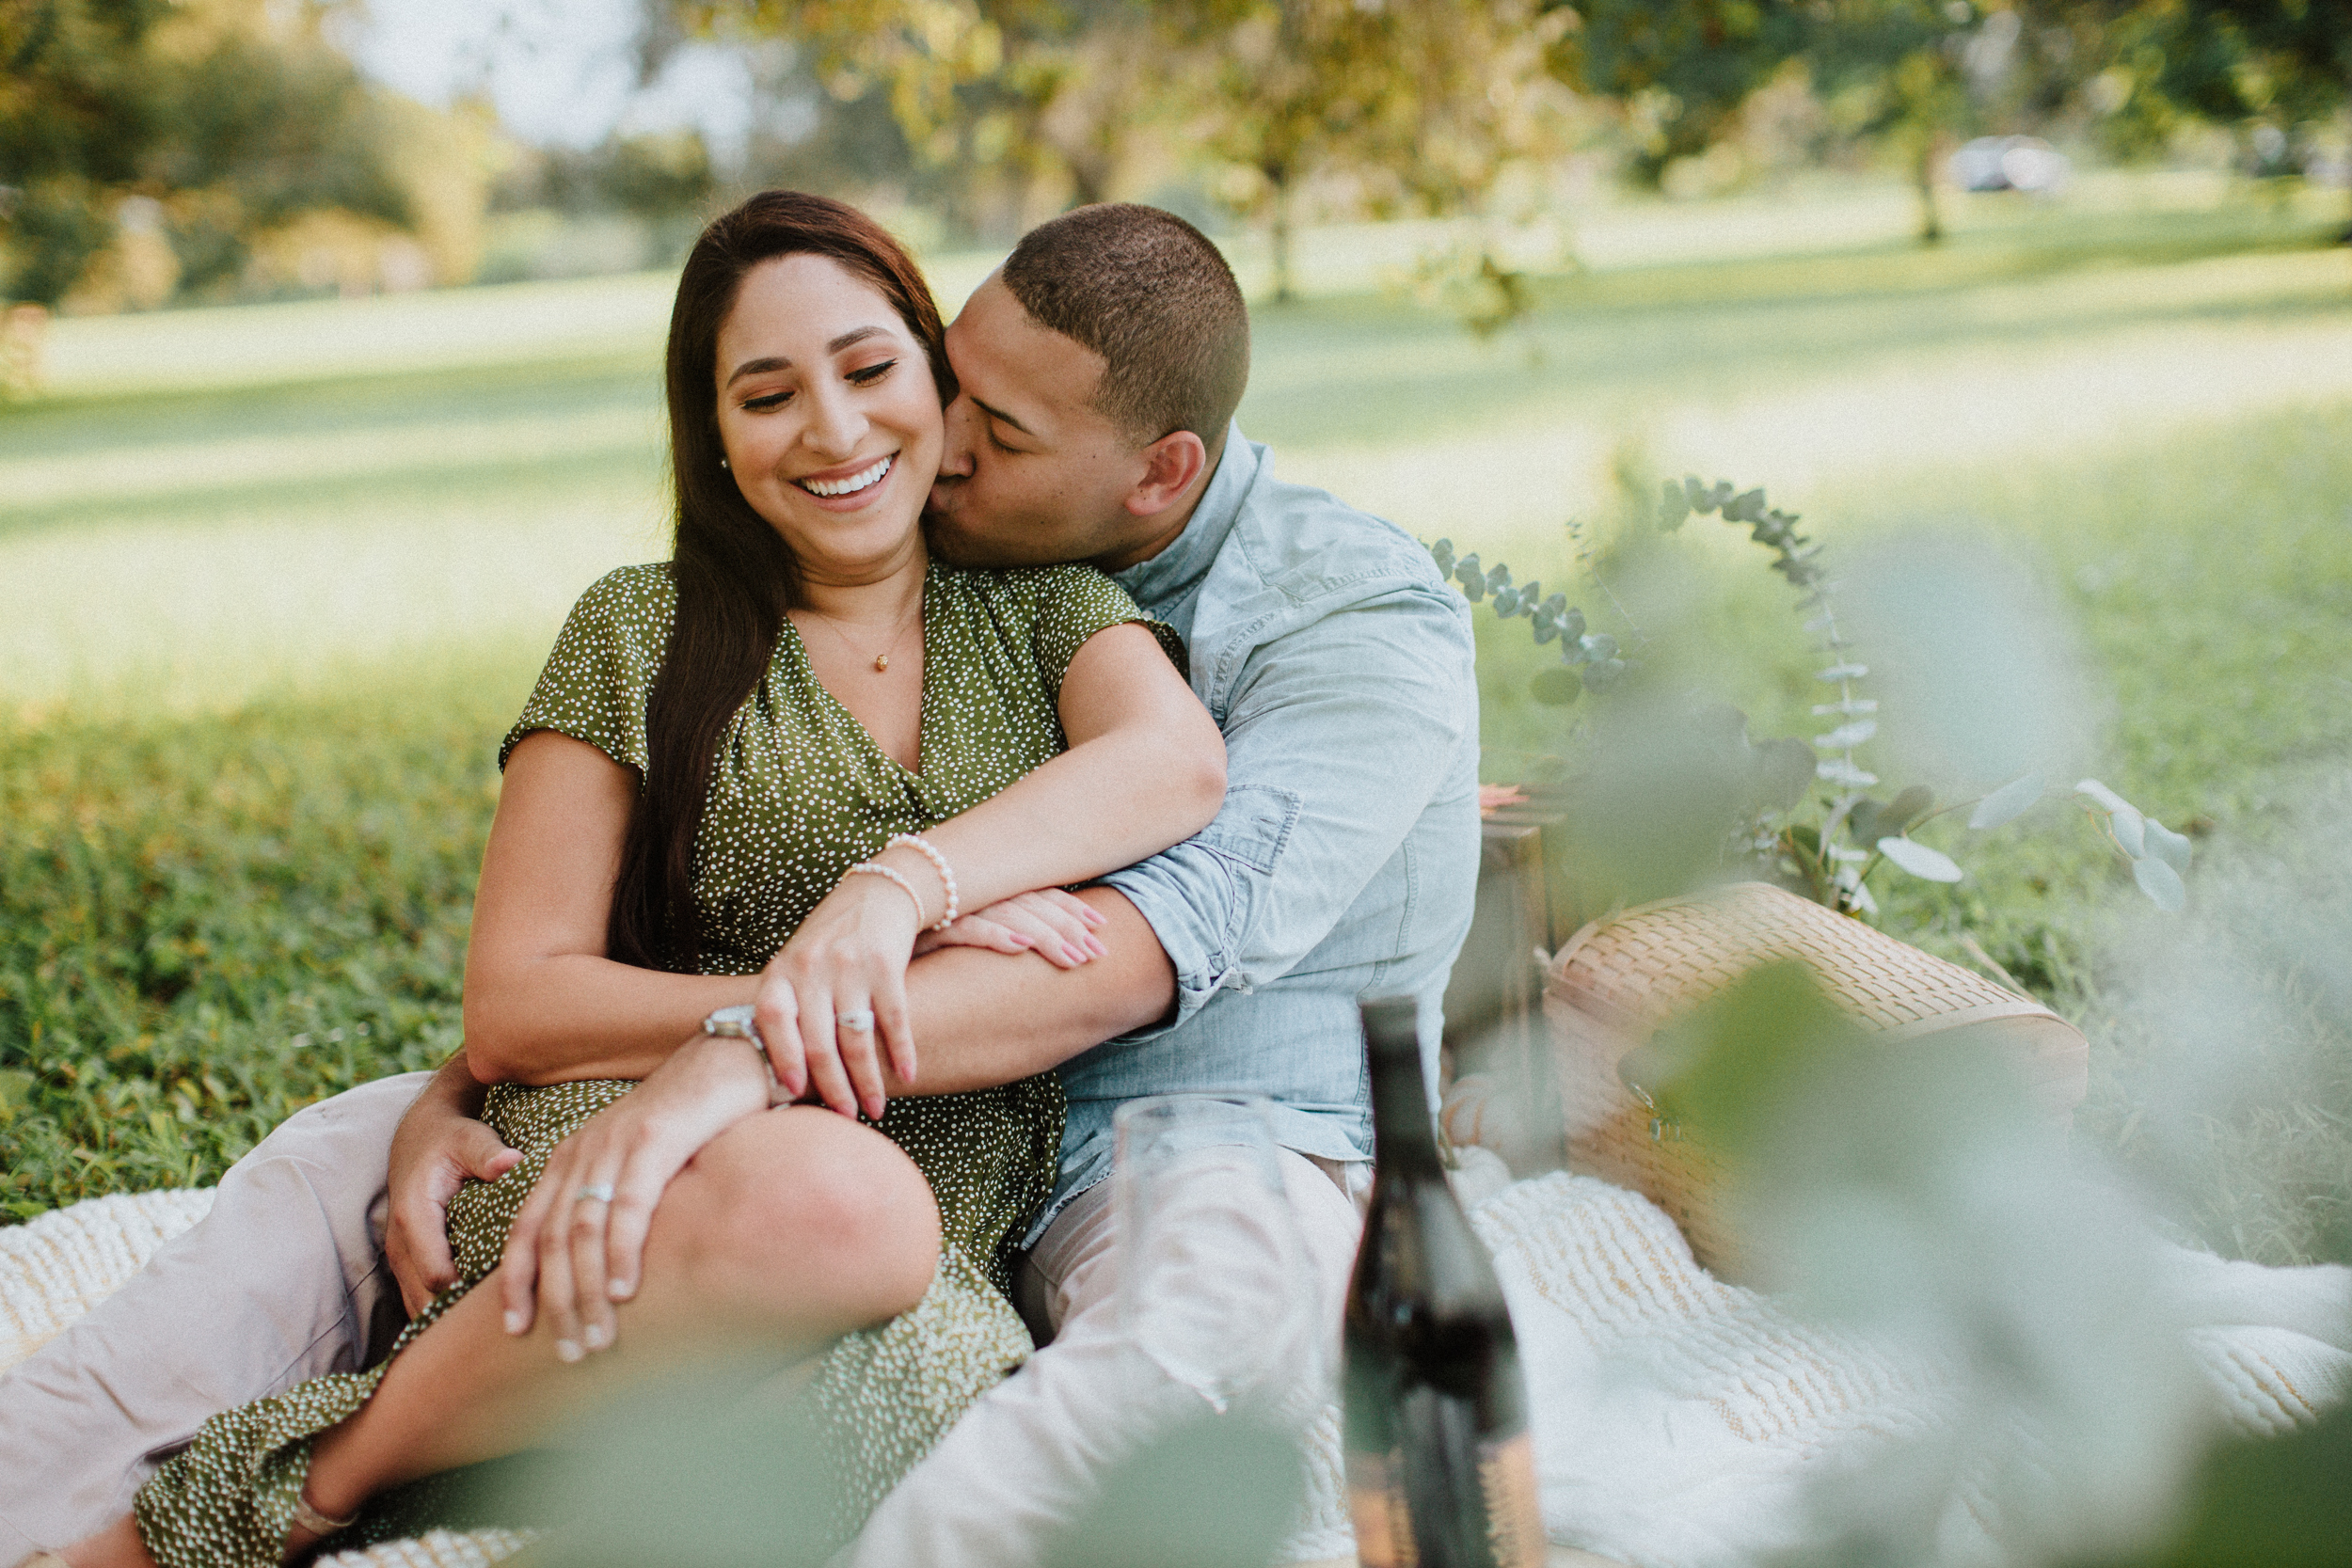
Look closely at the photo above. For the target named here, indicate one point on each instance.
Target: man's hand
(1058, 926)
(439, 1143)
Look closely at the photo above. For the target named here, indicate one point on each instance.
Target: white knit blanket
(1679, 1420)
(57, 1266)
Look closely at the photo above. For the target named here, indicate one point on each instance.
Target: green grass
(207, 924)
(268, 618)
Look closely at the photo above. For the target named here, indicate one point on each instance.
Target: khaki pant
(284, 1280)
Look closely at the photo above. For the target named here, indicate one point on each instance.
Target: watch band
(734, 1023)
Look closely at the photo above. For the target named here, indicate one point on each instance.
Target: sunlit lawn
(268, 608)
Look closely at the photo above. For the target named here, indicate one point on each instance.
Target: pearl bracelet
(871, 869)
(930, 852)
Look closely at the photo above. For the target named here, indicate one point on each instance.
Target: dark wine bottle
(1440, 1472)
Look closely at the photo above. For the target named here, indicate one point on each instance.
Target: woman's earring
(722, 461)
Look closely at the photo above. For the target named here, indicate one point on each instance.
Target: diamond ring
(600, 1192)
(857, 1019)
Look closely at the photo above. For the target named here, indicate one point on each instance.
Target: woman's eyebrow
(777, 363)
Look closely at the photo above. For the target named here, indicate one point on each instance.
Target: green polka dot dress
(799, 792)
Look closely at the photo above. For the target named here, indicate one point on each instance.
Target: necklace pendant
(881, 662)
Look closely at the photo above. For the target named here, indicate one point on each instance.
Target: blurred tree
(1019, 91)
(74, 112)
(1423, 103)
(215, 120)
(1913, 75)
(1899, 69)
(1681, 68)
(2280, 65)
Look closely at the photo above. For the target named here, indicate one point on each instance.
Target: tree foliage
(232, 116)
(1421, 103)
(2281, 64)
(1683, 66)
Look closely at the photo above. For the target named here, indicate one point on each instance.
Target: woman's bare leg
(793, 1226)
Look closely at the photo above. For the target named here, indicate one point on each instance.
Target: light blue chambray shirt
(1344, 861)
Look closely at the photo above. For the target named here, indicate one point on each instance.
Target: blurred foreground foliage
(2206, 589)
(208, 924)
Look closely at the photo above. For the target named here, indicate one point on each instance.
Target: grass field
(277, 578)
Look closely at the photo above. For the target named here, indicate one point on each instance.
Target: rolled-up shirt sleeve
(1337, 738)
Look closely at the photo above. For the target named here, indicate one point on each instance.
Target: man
(1099, 371)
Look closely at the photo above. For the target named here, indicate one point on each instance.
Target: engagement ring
(600, 1190)
(857, 1019)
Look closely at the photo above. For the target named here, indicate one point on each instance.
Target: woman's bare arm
(540, 992)
(1145, 770)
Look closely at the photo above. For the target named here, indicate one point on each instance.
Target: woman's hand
(847, 960)
(1058, 926)
(583, 1253)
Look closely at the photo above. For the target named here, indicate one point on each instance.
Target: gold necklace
(881, 660)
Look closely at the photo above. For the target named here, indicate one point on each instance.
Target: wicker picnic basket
(1618, 979)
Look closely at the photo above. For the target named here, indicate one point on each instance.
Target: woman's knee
(804, 1196)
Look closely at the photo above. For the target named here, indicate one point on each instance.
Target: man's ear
(1170, 464)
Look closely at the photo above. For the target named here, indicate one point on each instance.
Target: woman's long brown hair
(735, 575)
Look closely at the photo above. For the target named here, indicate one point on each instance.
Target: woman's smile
(848, 484)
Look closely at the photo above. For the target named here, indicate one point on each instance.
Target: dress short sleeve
(1075, 602)
(597, 680)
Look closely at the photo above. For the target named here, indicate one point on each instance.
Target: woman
(800, 728)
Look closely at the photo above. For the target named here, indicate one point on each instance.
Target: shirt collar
(1178, 568)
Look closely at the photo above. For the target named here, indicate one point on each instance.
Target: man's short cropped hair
(1149, 293)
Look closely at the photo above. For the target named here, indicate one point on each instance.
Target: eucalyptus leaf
(1531, 595)
(1931, 865)
(1557, 687)
(1571, 623)
(1784, 772)
(2169, 846)
(1846, 737)
(1837, 770)
(1599, 645)
(1442, 552)
(1911, 805)
(1605, 674)
(1557, 604)
(2161, 883)
(2130, 829)
(1863, 820)
(1498, 578)
(2006, 803)
(1674, 507)
(1507, 604)
(2102, 794)
(1546, 627)
(1848, 672)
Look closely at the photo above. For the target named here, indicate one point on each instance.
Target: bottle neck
(1404, 1138)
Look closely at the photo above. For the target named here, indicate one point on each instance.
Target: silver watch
(734, 1023)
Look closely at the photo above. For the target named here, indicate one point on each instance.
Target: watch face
(735, 1022)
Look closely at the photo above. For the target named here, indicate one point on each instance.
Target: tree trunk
(1283, 292)
(1923, 178)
